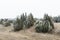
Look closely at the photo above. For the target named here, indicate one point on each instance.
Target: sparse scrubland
(26, 27)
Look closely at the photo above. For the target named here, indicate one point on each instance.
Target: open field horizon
(29, 19)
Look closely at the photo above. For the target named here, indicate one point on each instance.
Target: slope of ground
(28, 34)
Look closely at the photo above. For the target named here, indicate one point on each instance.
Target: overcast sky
(12, 8)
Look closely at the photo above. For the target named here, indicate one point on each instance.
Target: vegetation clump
(45, 26)
(1, 21)
(6, 24)
(23, 22)
(19, 23)
(46, 17)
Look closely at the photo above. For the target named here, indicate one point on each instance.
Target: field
(29, 34)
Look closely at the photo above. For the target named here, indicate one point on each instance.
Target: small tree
(31, 19)
(46, 17)
(43, 27)
(27, 24)
(1, 21)
(23, 18)
(47, 25)
(6, 24)
(19, 23)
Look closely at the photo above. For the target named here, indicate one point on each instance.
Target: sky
(13, 8)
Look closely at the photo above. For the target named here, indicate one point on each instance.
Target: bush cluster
(23, 22)
(45, 26)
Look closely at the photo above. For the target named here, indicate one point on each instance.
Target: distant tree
(6, 24)
(1, 21)
(56, 19)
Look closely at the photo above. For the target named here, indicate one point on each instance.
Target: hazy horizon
(13, 8)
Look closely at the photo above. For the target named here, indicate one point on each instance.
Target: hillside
(28, 34)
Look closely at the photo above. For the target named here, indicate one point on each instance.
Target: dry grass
(28, 34)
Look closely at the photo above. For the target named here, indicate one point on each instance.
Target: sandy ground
(28, 34)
